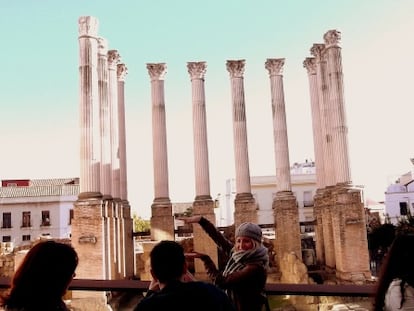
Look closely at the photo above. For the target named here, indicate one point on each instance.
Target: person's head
(44, 274)
(248, 236)
(400, 258)
(167, 261)
(397, 265)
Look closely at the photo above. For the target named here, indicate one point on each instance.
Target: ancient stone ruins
(102, 225)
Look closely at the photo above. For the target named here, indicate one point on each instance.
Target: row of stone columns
(286, 213)
(102, 226)
(339, 211)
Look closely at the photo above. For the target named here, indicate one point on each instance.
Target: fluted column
(105, 170)
(162, 221)
(310, 65)
(121, 74)
(275, 68)
(318, 51)
(336, 101)
(284, 204)
(245, 207)
(89, 106)
(159, 132)
(203, 204)
(113, 59)
(202, 178)
(236, 70)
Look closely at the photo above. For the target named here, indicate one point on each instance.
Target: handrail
(345, 290)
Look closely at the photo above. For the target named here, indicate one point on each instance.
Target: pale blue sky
(39, 118)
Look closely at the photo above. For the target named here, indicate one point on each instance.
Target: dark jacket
(188, 296)
(246, 286)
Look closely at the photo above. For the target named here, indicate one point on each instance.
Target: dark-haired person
(244, 276)
(42, 278)
(395, 287)
(168, 267)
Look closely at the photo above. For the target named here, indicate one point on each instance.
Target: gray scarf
(239, 259)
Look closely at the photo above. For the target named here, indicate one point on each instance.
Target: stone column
(162, 222)
(126, 223)
(310, 65)
(284, 204)
(105, 169)
(348, 215)
(336, 101)
(202, 178)
(323, 199)
(244, 203)
(113, 59)
(203, 204)
(318, 51)
(88, 222)
(121, 74)
(89, 106)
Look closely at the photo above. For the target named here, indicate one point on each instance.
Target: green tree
(141, 225)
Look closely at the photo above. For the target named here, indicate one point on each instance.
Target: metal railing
(347, 290)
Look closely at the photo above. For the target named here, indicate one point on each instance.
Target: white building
(33, 208)
(399, 198)
(303, 180)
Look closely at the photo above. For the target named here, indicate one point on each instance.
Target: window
(26, 237)
(45, 218)
(70, 216)
(403, 209)
(6, 238)
(26, 219)
(307, 199)
(6, 220)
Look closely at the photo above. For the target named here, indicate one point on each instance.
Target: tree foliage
(141, 225)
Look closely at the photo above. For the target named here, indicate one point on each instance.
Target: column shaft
(318, 50)
(121, 73)
(159, 131)
(275, 66)
(236, 70)
(89, 105)
(201, 164)
(336, 100)
(310, 65)
(113, 59)
(105, 169)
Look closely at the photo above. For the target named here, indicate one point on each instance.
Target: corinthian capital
(121, 72)
(317, 50)
(113, 58)
(332, 38)
(310, 64)
(275, 66)
(236, 68)
(102, 47)
(196, 70)
(88, 26)
(157, 71)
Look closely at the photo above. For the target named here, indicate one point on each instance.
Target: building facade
(399, 198)
(36, 208)
(303, 179)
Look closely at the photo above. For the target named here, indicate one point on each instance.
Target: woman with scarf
(245, 273)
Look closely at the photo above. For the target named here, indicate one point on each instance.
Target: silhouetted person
(168, 291)
(244, 276)
(395, 287)
(42, 278)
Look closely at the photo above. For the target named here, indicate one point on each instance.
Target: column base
(245, 209)
(162, 220)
